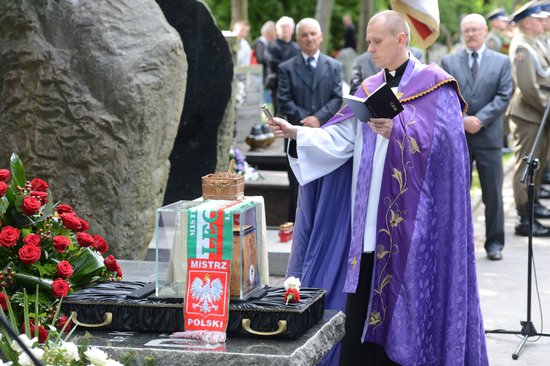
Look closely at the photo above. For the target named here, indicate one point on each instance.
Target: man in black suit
(485, 80)
(349, 32)
(310, 88)
(281, 50)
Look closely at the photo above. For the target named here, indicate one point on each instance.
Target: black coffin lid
(154, 315)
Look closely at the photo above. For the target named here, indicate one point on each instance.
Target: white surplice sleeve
(322, 150)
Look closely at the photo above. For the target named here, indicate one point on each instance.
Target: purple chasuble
(424, 303)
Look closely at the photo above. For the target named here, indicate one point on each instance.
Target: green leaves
(30, 281)
(17, 171)
(45, 270)
(86, 265)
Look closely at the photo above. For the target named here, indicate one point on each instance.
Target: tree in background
(323, 14)
(260, 11)
(239, 10)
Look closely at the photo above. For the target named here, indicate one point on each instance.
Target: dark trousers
(293, 185)
(353, 351)
(293, 188)
(489, 168)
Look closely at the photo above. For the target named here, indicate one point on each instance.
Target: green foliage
(45, 270)
(340, 8)
(259, 11)
(38, 298)
(150, 360)
(87, 266)
(17, 172)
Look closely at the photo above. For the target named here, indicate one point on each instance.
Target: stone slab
(306, 350)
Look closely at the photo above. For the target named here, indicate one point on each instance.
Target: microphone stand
(15, 337)
(532, 164)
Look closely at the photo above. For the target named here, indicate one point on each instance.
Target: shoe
(541, 212)
(494, 254)
(543, 193)
(539, 230)
(494, 251)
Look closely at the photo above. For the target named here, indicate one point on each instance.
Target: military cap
(529, 9)
(545, 5)
(497, 14)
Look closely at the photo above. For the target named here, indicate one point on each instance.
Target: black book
(382, 103)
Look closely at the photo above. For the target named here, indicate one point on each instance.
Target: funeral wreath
(44, 245)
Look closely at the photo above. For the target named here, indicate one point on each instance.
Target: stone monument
(209, 79)
(90, 98)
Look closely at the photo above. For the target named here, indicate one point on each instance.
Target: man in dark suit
(485, 80)
(310, 88)
(281, 50)
(349, 32)
(363, 67)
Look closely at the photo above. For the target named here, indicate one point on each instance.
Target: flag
(423, 17)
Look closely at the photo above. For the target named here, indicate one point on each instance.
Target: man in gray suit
(310, 88)
(485, 80)
(363, 67)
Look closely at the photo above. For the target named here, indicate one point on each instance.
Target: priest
(386, 213)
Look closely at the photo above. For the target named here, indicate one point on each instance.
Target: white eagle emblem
(206, 293)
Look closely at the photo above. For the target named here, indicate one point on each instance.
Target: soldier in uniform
(544, 38)
(498, 39)
(501, 33)
(527, 107)
(546, 8)
(544, 44)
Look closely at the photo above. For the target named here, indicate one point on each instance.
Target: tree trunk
(323, 12)
(239, 10)
(366, 12)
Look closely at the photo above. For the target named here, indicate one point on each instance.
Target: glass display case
(200, 229)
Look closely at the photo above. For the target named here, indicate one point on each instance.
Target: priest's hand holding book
(381, 126)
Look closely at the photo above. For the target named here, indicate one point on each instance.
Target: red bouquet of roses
(45, 245)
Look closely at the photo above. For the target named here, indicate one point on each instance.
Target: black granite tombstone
(209, 78)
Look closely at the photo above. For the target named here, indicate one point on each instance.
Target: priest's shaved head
(388, 38)
(393, 21)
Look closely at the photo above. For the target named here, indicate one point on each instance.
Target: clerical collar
(394, 77)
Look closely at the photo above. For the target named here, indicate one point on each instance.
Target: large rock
(90, 98)
(209, 81)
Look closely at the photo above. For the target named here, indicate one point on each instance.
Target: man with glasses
(485, 80)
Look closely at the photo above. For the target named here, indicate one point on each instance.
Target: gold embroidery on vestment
(394, 217)
(354, 262)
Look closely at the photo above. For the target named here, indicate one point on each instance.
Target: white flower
(26, 341)
(292, 282)
(2, 363)
(25, 360)
(96, 356)
(111, 362)
(71, 350)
